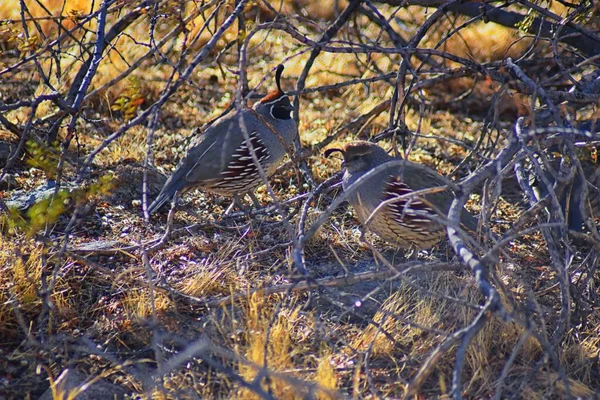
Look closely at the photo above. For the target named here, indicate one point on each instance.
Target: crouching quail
(221, 160)
(409, 222)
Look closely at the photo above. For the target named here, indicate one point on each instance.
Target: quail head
(410, 221)
(221, 160)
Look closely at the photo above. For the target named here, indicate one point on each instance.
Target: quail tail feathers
(173, 184)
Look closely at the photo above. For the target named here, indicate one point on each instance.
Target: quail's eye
(354, 157)
(282, 112)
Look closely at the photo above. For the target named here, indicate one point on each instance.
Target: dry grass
(269, 345)
(20, 277)
(318, 339)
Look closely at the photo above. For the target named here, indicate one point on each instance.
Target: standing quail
(407, 222)
(220, 161)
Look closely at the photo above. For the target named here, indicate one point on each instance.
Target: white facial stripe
(275, 100)
(274, 117)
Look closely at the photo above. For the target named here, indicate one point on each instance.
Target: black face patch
(281, 112)
(282, 109)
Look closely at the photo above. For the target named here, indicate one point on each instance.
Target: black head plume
(329, 152)
(278, 77)
(275, 94)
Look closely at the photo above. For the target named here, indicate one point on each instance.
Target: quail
(571, 198)
(409, 222)
(221, 161)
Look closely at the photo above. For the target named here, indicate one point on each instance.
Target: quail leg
(236, 202)
(412, 253)
(254, 199)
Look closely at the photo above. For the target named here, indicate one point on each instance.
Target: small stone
(8, 182)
